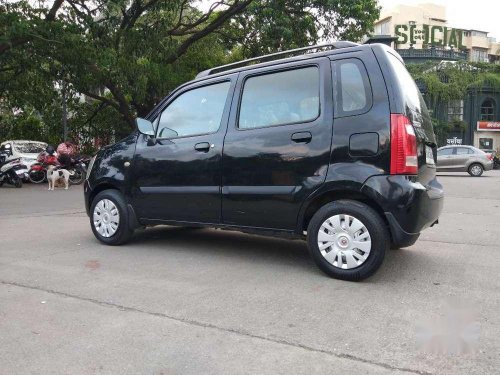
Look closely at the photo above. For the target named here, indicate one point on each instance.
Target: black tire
(15, 180)
(376, 227)
(123, 233)
(77, 178)
(37, 177)
(475, 167)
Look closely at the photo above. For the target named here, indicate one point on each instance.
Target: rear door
(276, 150)
(407, 100)
(460, 157)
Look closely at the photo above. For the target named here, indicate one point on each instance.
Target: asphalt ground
(203, 301)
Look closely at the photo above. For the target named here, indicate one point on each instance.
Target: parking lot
(202, 301)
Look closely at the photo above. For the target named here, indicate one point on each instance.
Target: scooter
(12, 172)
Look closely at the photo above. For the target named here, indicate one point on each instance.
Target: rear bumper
(489, 166)
(409, 206)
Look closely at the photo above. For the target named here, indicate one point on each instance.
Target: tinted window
(280, 98)
(406, 83)
(198, 111)
(463, 151)
(445, 151)
(352, 91)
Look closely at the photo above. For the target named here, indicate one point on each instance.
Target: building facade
(421, 33)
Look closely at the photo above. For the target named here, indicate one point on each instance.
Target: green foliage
(126, 55)
(451, 81)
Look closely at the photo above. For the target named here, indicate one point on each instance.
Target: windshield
(29, 147)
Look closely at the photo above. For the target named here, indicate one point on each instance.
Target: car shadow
(251, 248)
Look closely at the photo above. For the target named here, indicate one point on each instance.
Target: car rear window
(280, 98)
(464, 150)
(406, 83)
(351, 88)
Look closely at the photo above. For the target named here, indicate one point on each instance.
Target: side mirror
(145, 127)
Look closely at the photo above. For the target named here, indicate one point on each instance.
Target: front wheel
(347, 240)
(109, 219)
(476, 170)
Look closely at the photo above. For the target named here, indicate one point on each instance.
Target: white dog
(54, 174)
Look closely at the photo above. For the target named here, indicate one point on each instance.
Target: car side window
(463, 151)
(445, 151)
(194, 112)
(352, 91)
(280, 98)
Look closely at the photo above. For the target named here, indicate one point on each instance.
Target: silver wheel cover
(344, 241)
(106, 218)
(476, 170)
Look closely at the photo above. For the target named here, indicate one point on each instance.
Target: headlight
(91, 164)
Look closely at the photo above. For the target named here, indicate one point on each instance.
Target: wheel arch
(98, 188)
(328, 196)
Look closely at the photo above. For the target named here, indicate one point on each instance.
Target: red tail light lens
(489, 156)
(403, 146)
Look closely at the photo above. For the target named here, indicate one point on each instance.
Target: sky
(481, 15)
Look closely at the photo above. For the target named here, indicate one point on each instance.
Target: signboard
(453, 141)
(488, 126)
(431, 35)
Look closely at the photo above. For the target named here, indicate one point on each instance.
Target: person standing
(66, 151)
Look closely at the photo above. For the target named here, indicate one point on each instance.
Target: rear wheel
(37, 177)
(476, 170)
(77, 177)
(347, 240)
(109, 219)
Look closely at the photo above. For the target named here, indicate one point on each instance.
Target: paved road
(183, 301)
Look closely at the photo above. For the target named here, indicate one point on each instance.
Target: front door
(177, 178)
(277, 147)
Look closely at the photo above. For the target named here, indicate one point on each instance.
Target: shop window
(488, 110)
(455, 110)
(486, 143)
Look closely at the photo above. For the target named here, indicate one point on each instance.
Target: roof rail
(276, 56)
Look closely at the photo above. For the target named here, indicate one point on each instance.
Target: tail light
(489, 156)
(403, 146)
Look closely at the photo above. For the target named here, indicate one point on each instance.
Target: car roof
(22, 141)
(450, 146)
(280, 58)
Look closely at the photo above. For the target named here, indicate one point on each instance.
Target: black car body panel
(272, 178)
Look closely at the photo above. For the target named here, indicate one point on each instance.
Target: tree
(128, 54)
(274, 25)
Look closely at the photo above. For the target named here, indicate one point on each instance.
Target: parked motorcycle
(38, 171)
(12, 172)
(79, 168)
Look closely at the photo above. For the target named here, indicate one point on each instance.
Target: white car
(28, 151)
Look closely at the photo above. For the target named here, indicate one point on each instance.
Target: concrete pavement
(191, 301)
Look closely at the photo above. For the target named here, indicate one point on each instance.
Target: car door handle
(302, 137)
(202, 146)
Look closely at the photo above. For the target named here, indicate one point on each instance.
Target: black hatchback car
(331, 143)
